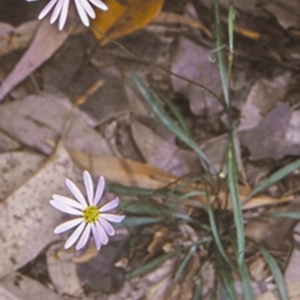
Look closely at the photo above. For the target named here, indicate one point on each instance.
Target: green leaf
(184, 263)
(235, 200)
(277, 274)
(215, 231)
(198, 287)
(286, 170)
(141, 207)
(246, 282)
(176, 112)
(151, 265)
(168, 122)
(130, 191)
(287, 214)
(225, 273)
(137, 221)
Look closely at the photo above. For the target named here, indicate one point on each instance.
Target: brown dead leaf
(159, 239)
(170, 18)
(247, 33)
(258, 268)
(125, 17)
(131, 173)
(122, 171)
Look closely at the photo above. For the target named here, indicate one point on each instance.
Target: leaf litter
(91, 87)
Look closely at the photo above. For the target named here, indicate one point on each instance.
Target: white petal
(68, 201)
(74, 236)
(63, 15)
(99, 4)
(67, 225)
(56, 11)
(100, 190)
(96, 236)
(82, 13)
(65, 208)
(84, 237)
(102, 234)
(107, 227)
(89, 186)
(113, 218)
(88, 8)
(76, 192)
(46, 9)
(110, 205)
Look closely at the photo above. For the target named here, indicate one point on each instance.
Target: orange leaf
(123, 19)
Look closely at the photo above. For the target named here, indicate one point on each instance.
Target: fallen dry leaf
(293, 291)
(170, 18)
(168, 156)
(262, 98)
(46, 41)
(12, 38)
(125, 17)
(27, 213)
(277, 134)
(16, 167)
(192, 61)
(20, 287)
(62, 271)
(131, 173)
(159, 239)
(40, 119)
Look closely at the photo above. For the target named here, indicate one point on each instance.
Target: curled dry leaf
(26, 218)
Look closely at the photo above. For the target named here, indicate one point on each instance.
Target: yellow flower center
(91, 214)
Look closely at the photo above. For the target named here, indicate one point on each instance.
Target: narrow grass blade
(286, 170)
(235, 201)
(225, 273)
(184, 263)
(152, 209)
(168, 122)
(130, 191)
(137, 221)
(198, 287)
(246, 282)
(220, 54)
(277, 274)
(215, 231)
(151, 265)
(287, 214)
(176, 112)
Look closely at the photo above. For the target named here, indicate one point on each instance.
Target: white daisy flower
(91, 219)
(61, 8)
